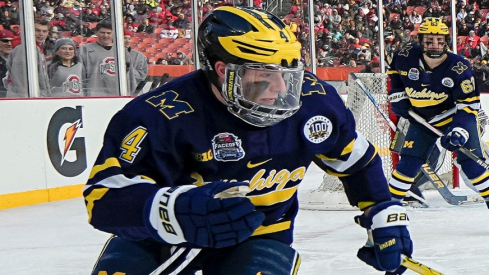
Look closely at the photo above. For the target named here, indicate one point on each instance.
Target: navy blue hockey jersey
(445, 94)
(181, 134)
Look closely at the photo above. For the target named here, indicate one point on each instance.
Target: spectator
(130, 25)
(365, 51)
(12, 15)
(483, 30)
(428, 13)
(16, 65)
(90, 16)
(6, 37)
(139, 65)
(146, 27)
(407, 24)
(181, 21)
(415, 17)
(470, 20)
(182, 59)
(156, 16)
(466, 51)
(472, 39)
(83, 30)
(169, 58)
(131, 11)
(463, 30)
(169, 32)
(59, 22)
(100, 74)
(352, 63)
(461, 14)
(65, 71)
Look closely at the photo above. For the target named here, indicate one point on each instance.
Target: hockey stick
(418, 267)
(462, 149)
(439, 185)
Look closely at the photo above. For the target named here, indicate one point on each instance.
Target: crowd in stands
(346, 31)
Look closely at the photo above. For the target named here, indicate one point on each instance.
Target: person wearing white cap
(472, 39)
(65, 71)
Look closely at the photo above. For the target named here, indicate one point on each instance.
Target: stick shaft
(463, 150)
(418, 267)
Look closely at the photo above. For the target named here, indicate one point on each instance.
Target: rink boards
(49, 145)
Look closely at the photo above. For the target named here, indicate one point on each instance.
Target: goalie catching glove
(454, 138)
(214, 215)
(386, 224)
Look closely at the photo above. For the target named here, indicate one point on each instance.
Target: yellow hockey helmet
(433, 25)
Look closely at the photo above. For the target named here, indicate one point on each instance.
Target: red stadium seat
(420, 10)
(66, 34)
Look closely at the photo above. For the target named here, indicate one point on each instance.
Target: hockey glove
(207, 221)
(400, 104)
(454, 138)
(386, 224)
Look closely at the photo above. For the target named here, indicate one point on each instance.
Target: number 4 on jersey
(130, 144)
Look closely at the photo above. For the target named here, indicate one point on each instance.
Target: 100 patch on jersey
(317, 129)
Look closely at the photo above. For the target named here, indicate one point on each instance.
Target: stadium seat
(148, 40)
(484, 13)
(392, 15)
(66, 34)
(180, 41)
(77, 39)
(420, 9)
(140, 34)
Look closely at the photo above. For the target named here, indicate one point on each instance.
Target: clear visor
(264, 87)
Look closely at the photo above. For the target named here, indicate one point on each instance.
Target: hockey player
(440, 86)
(175, 160)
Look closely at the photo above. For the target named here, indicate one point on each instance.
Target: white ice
(55, 238)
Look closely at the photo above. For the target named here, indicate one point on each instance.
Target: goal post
(370, 123)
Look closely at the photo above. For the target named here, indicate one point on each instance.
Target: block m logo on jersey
(408, 144)
(66, 148)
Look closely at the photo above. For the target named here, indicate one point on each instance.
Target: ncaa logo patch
(447, 82)
(317, 129)
(227, 147)
(413, 74)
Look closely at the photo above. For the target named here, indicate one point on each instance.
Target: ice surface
(55, 238)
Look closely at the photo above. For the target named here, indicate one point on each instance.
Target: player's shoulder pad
(459, 65)
(173, 99)
(312, 85)
(315, 90)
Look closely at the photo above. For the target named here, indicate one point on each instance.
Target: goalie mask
(434, 37)
(263, 76)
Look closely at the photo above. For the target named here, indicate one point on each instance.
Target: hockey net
(330, 194)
